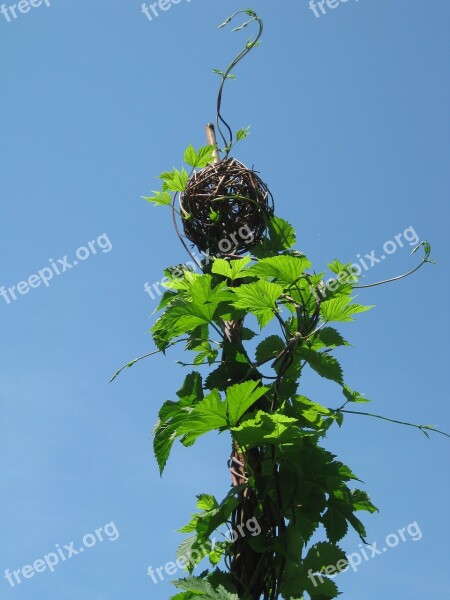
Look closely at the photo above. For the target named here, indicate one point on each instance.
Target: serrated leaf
(337, 267)
(192, 552)
(216, 554)
(309, 413)
(339, 309)
(327, 337)
(192, 389)
(190, 156)
(361, 501)
(258, 298)
(266, 428)
(159, 198)
(269, 348)
(180, 317)
(206, 502)
(232, 269)
(280, 237)
(248, 334)
(322, 555)
(321, 589)
(207, 415)
(175, 180)
(282, 234)
(285, 270)
(205, 155)
(240, 397)
(203, 589)
(200, 158)
(172, 415)
(335, 524)
(324, 364)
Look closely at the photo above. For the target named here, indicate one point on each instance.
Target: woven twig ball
(225, 208)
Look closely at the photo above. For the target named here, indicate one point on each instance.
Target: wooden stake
(212, 140)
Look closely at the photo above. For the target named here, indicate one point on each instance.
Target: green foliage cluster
(254, 325)
(253, 395)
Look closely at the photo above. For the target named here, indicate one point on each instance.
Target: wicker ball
(225, 208)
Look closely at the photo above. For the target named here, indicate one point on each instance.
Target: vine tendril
(227, 74)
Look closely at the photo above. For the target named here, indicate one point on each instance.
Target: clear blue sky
(349, 116)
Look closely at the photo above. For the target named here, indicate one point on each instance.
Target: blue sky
(349, 121)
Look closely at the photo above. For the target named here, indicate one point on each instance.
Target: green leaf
(190, 156)
(282, 234)
(201, 292)
(216, 554)
(285, 270)
(310, 414)
(205, 155)
(204, 590)
(258, 298)
(321, 589)
(192, 552)
(338, 268)
(248, 334)
(171, 416)
(207, 415)
(192, 389)
(322, 555)
(342, 505)
(196, 307)
(324, 364)
(353, 396)
(241, 134)
(328, 338)
(335, 523)
(269, 348)
(159, 198)
(235, 368)
(339, 309)
(175, 180)
(223, 74)
(205, 352)
(180, 317)
(267, 428)
(232, 269)
(241, 396)
(206, 502)
(280, 237)
(213, 215)
(361, 501)
(199, 159)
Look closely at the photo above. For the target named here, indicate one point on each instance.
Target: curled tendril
(251, 43)
(426, 259)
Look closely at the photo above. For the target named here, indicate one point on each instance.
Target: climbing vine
(253, 320)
